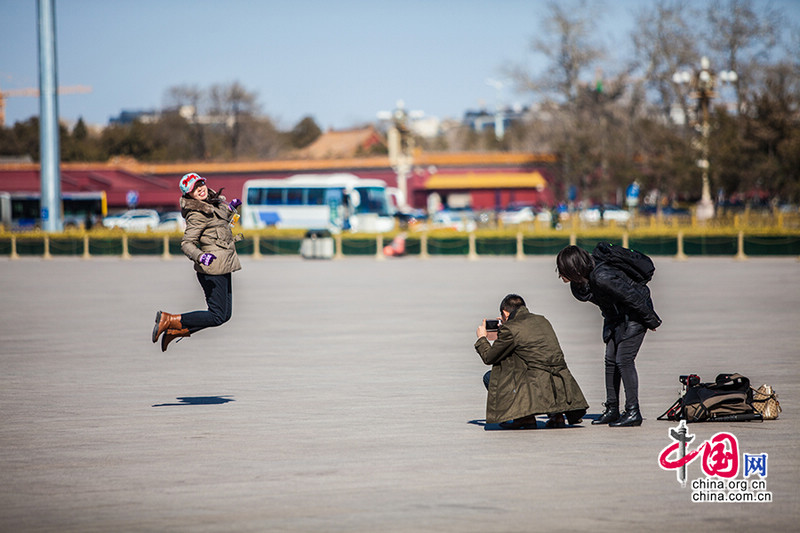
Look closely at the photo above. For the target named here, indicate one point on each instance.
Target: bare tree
(186, 100)
(235, 105)
(565, 41)
(665, 41)
(260, 139)
(742, 37)
(180, 96)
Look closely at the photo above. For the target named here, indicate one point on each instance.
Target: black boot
(555, 421)
(611, 414)
(631, 417)
(575, 417)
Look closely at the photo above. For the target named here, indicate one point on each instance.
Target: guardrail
(681, 244)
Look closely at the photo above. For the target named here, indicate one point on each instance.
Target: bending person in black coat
(628, 313)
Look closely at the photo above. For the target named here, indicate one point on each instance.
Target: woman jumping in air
(209, 242)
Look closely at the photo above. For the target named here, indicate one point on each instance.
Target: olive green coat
(529, 373)
(208, 230)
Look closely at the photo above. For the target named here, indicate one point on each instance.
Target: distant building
(344, 143)
(187, 112)
(129, 117)
(481, 180)
(482, 120)
(427, 127)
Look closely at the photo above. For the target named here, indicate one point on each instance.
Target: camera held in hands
(492, 324)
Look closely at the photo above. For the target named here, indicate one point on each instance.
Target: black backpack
(636, 265)
(728, 399)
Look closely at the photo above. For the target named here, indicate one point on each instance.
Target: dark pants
(620, 366)
(219, 298)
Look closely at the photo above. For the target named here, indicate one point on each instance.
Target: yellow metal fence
(532, 240)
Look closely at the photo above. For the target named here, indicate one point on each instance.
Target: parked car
(172, 221)
(612, 212)
(134, 220)
(411, 217)
(517, 215)
(455, 219)
(605, 213)
(544, 216)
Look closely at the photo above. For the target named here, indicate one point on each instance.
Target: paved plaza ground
(346, 396)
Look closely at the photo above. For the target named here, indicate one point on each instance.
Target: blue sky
(338, 61)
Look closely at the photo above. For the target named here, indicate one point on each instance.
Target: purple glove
(234, 204)
(206, 259)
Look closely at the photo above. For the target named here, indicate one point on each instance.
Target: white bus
(334, 202)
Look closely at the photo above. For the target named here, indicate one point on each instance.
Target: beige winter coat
(208, 230)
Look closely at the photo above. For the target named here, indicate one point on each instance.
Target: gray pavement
(346, 396)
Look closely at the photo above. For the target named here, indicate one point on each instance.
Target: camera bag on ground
(636, 265)
(728, 399)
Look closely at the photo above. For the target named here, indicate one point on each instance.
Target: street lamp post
(50, 166)
(401, 146)
(499, 115)
(702, 83)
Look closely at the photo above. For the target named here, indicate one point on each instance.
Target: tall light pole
(499, 116)
(702, 83)
(401, 145)
(50, 157)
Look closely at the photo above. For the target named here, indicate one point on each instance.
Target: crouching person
(529, 375)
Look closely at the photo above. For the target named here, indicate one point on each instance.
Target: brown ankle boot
(172, 334)
(165, 321)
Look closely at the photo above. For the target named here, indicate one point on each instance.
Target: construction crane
(72, 89)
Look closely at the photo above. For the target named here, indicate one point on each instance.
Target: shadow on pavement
(197, 400)
(540, 424)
